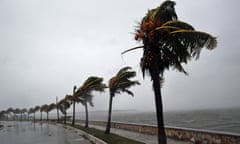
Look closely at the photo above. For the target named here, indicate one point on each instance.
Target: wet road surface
(36, 133)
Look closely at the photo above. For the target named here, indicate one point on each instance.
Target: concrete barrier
(196, 136)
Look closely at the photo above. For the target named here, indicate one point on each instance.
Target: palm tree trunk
(86, 111)
(57, 114)
(47, 116)
(109, 115)
(159, 109)
(41, 116)
(73, 120)
(65, 117)
(34, 116)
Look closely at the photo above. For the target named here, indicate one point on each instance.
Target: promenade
(145, 138)
(16, 132)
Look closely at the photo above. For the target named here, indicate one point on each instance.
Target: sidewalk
(148, 139)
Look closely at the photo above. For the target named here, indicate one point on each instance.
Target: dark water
(224, 120)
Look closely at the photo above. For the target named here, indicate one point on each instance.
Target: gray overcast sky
(47, 46)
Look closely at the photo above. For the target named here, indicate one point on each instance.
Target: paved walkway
(15, 132)
(148, 139)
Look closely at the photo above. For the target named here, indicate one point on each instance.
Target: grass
(109, 138)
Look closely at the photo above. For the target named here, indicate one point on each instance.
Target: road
(36, 133)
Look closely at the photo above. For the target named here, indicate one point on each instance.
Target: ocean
(222, 120)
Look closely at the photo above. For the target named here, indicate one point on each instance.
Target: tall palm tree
(64, 104)
(120, 83)
(22, 111)
(50, 107)
(73, 98)
(35, 109)
(167, 43)
(30, 111)
(85, 95)
(9, 111)
(15, 112)
(43, 109)
(57, 106)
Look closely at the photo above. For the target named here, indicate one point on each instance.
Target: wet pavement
(145, 138)
(38, 133)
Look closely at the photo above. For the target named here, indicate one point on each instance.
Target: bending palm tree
(22, 112)
(85, 92)
(15, 112)
(30, 111)
(64, 104)
(117, 84)
(167, 43)
(9, 111)
(50, 107)
(35, 109)
(73, 98)
(43, 109)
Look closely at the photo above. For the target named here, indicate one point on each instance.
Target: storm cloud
(48, 46)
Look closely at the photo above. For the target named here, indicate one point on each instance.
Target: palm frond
(123, 70)
(165, 12)
(128, 92)
(125, 76)
(179, 24)
(195, 40)
(121, 82)
(132, 49)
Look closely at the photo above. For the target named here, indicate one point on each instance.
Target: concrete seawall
(194, 135)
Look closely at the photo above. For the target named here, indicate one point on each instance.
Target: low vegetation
(109, 138)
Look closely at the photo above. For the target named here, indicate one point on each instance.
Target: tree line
(120, 83)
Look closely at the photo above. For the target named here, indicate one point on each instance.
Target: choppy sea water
(223, 120)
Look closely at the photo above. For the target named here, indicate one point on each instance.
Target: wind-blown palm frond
(44, 108)
(64, 104)
(121, 82)
(51, 107)
(168, 42)
(93, 83)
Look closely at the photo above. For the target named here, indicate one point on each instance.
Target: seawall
(196, 136)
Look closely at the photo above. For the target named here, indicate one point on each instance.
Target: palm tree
(50, 107)
(9, 111)
(73, 98)
(22, 111)
(85, 95)
(15, 112)
(35, 109)
(117, 84)
(64, 104)
(43, 109)
(30, 111)
(167, 43)
(57, 106)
